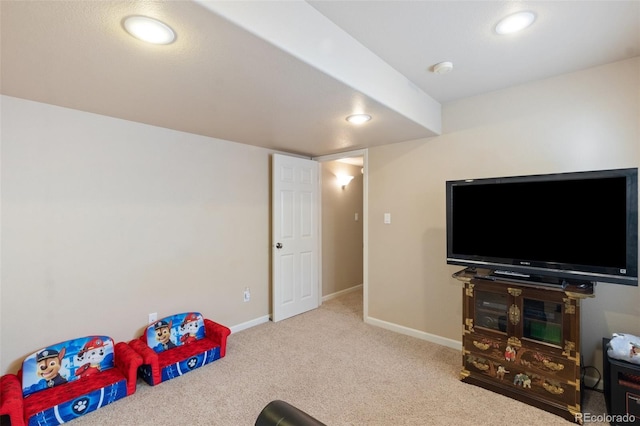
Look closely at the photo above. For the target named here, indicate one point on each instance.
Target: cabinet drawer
(535, 361)
(522, 380)
(485, 346)
(543, 363)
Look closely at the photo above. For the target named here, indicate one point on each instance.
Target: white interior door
(295, 236)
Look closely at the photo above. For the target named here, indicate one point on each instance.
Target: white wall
(105, 221)
(580, 121)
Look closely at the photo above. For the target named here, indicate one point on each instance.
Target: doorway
(344, 217)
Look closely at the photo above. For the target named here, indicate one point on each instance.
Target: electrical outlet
(153, 317)
(247, 294)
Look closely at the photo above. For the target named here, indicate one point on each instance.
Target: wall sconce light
(343, 180)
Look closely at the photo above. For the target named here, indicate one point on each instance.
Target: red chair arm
(11, 399)
(127, 360)
(218, 333)
(149, 356)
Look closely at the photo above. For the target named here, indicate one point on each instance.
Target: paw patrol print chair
(67, 380)
(175, 345)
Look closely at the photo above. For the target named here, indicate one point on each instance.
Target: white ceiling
(414, 35)
(285, 74)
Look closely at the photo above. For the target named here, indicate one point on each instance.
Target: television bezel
(564, 271)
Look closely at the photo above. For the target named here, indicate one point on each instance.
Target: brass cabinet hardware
(469, 290)
(554, 389)
(514, 341)
(515, 292)
(481, 346)
(554, 366)
(469, 323)
(568, 307)
(514, 314)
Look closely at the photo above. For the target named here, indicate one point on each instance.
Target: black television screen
(579, 226)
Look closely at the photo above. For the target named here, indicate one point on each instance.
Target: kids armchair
(175, 345)
(67, 380)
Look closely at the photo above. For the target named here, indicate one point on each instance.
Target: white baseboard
(590, 381)
(249, 324)
(443, 341)
(341, 292)
(266, 318)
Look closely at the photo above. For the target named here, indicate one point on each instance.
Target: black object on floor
(280, 413)
(621, 389)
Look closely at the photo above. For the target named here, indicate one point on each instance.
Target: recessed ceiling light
(515, 22)
(149, 30)
(358, 118)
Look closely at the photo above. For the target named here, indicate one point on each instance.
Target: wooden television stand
(522, 340)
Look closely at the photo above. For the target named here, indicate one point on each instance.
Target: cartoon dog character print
(189, 328)
(163, 334)
(90, 357)
(48, 364)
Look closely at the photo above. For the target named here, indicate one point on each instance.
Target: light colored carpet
(332, 365)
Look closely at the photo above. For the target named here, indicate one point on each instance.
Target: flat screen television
(556, 229)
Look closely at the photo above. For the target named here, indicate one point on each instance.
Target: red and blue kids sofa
(64, 381)
(175, 345)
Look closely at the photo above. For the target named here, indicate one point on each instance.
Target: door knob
(278, 246)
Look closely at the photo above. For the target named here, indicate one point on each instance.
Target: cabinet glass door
(491, 310)
(542, 321)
